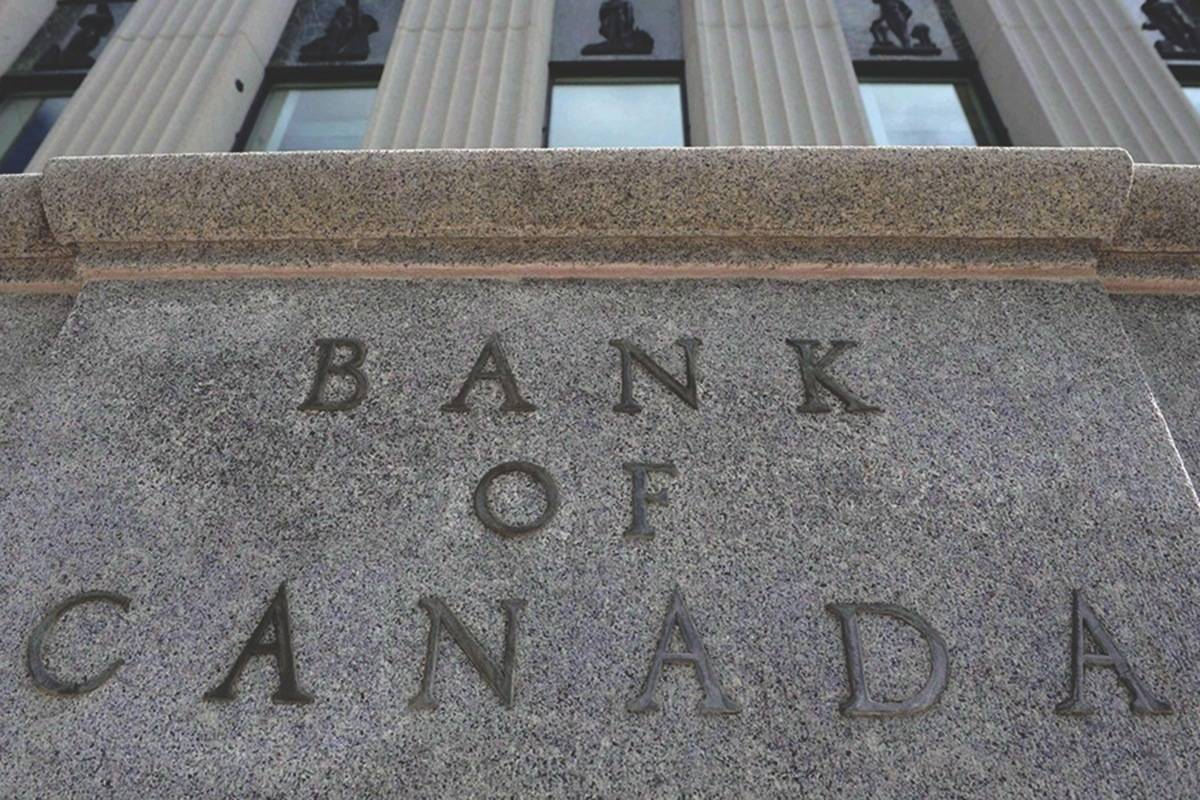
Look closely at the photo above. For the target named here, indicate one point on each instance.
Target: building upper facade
(172, 76)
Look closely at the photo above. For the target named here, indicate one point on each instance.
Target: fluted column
(19, 21)
(168, 81)
(462, 73)
(1080, 72)
(770, 72)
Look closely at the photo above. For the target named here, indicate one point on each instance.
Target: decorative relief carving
(326, 367)
(815, 372)
(1181, 37)
(91, 30)
(621, 35)
(500, 678)
(500, 372)
(679, 618)
(640, 528)
(687, 392)
(860, 703)
(1086, 625)
(36, 662)
(539, 475)
(277, 621)
(894, 16)
(346, 37)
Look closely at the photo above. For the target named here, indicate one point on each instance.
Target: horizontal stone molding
(31, 259)
(1157, 247)
(720, 212)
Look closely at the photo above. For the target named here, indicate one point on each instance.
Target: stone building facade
(565, 417)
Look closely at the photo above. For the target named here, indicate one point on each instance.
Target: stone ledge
(31, 259)
(884, 193)
(799, 212)
(1157, 247)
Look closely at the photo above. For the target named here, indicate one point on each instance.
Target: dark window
(919, 81)
(36, 89)
(616, 75)
(319, 89)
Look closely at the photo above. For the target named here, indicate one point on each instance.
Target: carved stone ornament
(894, 16)
(92, 28)
(621, 35)
(1181, 37)
(345, 38)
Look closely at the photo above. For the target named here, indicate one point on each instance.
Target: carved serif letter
(500, 678)
(500, 371)
(814, 371)
(36, 662)
(483, 506)
(350, 368)
(640, 528)
(630, 353)
(715, 701)
(1085, 624)
(860, 703)
(277, 620)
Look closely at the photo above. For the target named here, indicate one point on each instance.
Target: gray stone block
(1018, 456)
(131, 216)
(28, 325)
(1165, 331)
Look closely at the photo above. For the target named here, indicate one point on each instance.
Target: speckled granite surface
(28, 325)
(1165, 332)
(290, 206)
(1018, 455)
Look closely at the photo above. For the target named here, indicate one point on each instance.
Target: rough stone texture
(1019, 455)
(28, 324)
(1166, 335)
(1157, 247)
(887, 193)
(29, 254)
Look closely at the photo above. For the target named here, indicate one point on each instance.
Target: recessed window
(320, 86)
(24, 124)
(945, 113)
(607, 113)
(313, 118)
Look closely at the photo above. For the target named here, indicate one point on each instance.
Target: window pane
(24, 124)
(313, 119)
(916, 114)
(616, 115)
(1193, 94)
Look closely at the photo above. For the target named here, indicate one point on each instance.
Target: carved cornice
(718, 212)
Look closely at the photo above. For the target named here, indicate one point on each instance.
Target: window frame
(991, 133)
(618, 71)
(309, 76)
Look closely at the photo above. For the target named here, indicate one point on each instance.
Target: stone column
(178, 76)
(465, 74)
(1080, 73)
(19, 21)
(770, 72)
